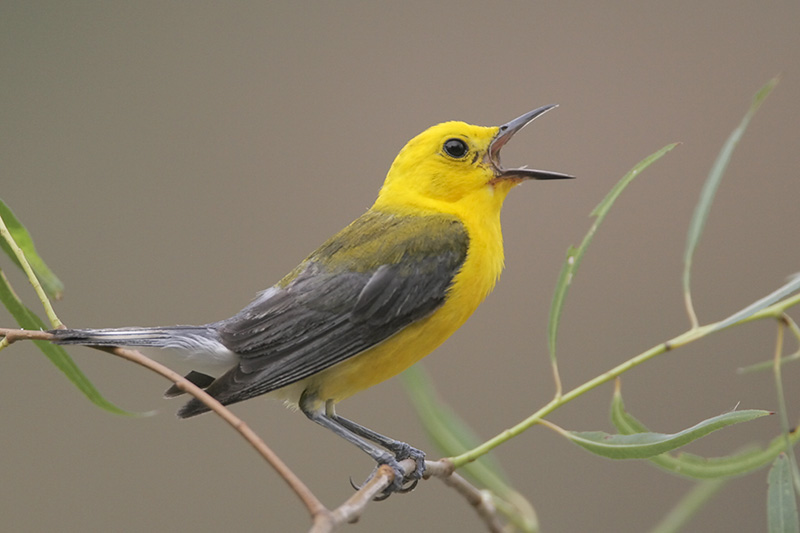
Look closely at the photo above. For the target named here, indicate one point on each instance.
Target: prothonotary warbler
(373, 300)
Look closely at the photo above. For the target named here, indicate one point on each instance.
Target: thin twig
(687, 300)
(32, 279)
(774, 311)
(783, 412)
(480, 500)
(557, 380)
(352, 509)
(314, 506)
(324, 520)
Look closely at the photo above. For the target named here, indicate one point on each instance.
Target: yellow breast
(471, 285)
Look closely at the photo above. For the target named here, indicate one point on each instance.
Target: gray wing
(342, 300)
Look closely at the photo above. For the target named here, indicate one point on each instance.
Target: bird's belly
(406, 347)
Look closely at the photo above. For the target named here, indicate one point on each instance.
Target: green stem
(776, 310)
(773, 311)
(783, 412)
(557, 402)
(34, 281)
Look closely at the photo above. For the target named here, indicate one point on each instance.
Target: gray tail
(203, 340)
(161, 337)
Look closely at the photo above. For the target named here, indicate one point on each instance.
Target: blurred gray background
(172, 159)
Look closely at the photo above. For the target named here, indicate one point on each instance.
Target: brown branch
(13, 335)
(324, 520)
(314, 506)
(352, 509)
(311, 502)
(480, 500)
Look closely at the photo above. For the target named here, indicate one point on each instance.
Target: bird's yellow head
(454, 163)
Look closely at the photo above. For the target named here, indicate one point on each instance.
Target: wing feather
(374, 278)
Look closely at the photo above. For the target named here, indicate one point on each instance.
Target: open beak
(504, 134)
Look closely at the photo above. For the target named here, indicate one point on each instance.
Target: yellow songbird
(374, 299)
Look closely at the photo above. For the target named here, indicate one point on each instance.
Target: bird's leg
(343, 427)
(400, 449)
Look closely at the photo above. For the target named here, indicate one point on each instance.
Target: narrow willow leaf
(697, 467)
(712, 184)
(645, 445)
(57, 355)
(447, 431)
(794, 329)
(781, 501)
(574, 255)
(787, 289)
(452, 436)
(51, 284)
(768, 365)
(625, 422)
(687, 507)
(562, 286)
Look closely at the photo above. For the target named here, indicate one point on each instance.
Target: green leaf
(695, 466)
(645, 445)
(57, 355)
(447, 431)
(574, 255)
(781, 501)
(687, 507)
(452, 436)
(787, 289)
(51, 284)
(712, 183)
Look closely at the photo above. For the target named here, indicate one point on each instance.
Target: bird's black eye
(456, 148)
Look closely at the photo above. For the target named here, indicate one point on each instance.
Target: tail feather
(159, 337)
(199, 346)
(195, 344)
(192, 408)
(198, 378)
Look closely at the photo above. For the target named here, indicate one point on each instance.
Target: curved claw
(402, 484)
(409, 488)
(385, 494)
